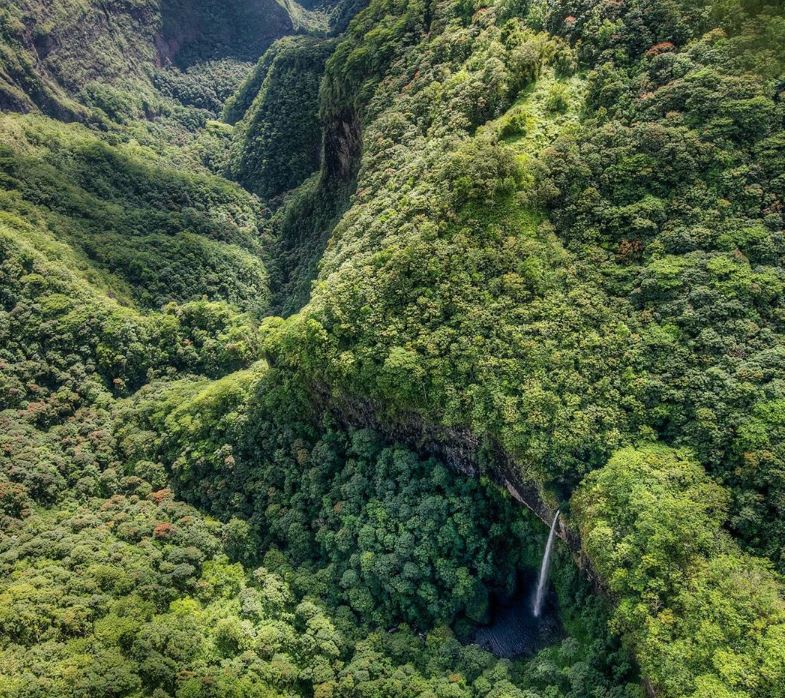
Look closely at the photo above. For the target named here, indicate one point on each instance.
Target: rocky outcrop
(342, 146)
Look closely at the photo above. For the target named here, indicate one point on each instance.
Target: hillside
(312, 317)
(59, 55)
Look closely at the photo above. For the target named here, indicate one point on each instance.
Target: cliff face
(194, 31)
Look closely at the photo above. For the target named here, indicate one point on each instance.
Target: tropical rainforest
(313, 316)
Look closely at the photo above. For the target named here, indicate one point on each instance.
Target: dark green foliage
(374, 37)
(563, 265)
(278, 140)
(117, 589)
(545, 232)
(62, 339)
(205, 85)
(240, 101)
(373, 531)
(398, 537)
(210, 29)
(675, 181)
(302, 227)
(342, 13)
(646, 305)
(131, 596)
(51, 50)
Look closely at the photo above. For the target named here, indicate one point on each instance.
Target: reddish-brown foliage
(163, 530)
(630, 249)
(662, 47)
(160, 495)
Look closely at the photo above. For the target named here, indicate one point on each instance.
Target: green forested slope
(159, 234)
(546, 246)
(277, 142)
(566, 240)
(59, 54)
(476, 280)
(705, 619)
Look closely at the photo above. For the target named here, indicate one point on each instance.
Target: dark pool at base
(514, 631)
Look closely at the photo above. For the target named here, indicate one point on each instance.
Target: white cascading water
(544, 569)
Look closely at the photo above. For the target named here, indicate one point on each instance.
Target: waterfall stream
(542, 583)
(526, 620)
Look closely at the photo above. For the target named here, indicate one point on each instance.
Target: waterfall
(544, 569)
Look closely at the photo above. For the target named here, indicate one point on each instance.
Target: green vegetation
(132, 596)
(498, 316)
(57, 54)
(61, 334)
(705, 619)
(538, 242)
(112, 587)
(568, 263)
(397, 538)
(151, 232)
(278, 141)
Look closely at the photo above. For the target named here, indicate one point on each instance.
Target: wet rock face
(514, 631)
(342, 146)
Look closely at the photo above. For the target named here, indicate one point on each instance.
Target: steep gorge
(539, 244)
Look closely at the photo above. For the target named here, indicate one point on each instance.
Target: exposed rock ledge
(462, 451)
